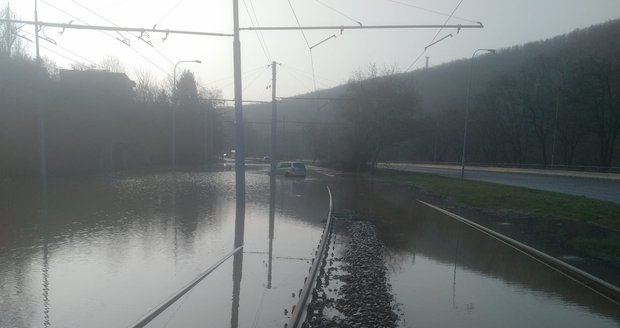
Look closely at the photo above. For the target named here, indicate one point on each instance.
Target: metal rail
(299, 310)
(591, 282)
(162, 307)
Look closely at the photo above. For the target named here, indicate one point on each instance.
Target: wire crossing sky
(506, 23)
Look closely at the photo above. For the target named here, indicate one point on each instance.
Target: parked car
(291, 169)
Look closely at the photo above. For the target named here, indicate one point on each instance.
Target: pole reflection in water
(45, 269)
(237, 262)
(237, 273)
(173, 215)
(272, 214)
(456, 259)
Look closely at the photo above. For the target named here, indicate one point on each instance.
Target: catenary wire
(107, 34)
(338, 11)
(431, 11)
(260, 41)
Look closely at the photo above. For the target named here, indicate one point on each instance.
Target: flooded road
(110, 249)
(446, 274)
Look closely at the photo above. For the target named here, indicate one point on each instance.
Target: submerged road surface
(109, 249)
(596, 186)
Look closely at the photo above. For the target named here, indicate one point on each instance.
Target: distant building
(95, 83)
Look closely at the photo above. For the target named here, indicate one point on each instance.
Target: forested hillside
(552, 102)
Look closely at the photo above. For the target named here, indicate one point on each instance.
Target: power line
(447, 20)
(340, 12)
(169, 12)
(295, 77)
(142, 31)
(260, 73)
(436, 34)
(50, 50)
(260, 41)
(298, 24)
(259, 32)
(139, 37)
(431, 11)
(63, 48)
(301, 71)
(306, 39)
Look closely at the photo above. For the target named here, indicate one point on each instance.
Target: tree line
(549, 103)
(95, 120)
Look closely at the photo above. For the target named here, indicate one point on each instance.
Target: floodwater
(108, 250)
(445, 274)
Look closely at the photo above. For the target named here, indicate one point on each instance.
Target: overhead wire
(140, 37)
(107, 34)
(259, 32)
(301, 71)
(295, 77)
(298, 23)
(50, 50)
(447, 20)
(306, 39)
(259, 75)
(431, 11)
(169, 12)
(63, 48)
(435, 37)
(340, 12)
(258, 36)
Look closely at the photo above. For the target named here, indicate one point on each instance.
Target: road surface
(593, 185)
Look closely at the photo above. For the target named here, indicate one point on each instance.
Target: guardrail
(593, 283)
(162, 307)
(539, 166)
(299, 310)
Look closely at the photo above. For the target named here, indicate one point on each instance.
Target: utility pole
(284, 137)
(36, 29)
(274, 123)
(239, 133)
(42, 129)
(239, 171)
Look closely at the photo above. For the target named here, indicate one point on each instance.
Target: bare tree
(147, 87)
(380, 106)
(10, 43)
(112, 64)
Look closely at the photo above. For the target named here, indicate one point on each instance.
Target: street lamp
(174, 123)
(174, 74)
(468, 102)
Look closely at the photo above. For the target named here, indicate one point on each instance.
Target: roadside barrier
(162, 307)
(591, 282)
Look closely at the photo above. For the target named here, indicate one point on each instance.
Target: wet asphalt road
(596, 188)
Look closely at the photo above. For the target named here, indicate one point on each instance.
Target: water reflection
(460, 276)
(45, 268)
(236, 294)
(272, 214)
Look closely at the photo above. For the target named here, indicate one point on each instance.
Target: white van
(291, 169)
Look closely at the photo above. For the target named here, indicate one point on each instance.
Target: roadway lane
(578, 184)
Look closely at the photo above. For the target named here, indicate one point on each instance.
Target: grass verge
(502, 198)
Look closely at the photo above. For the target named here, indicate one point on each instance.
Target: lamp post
(174, 123)
(467, 105)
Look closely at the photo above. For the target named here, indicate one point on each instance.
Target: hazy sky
(506, 23)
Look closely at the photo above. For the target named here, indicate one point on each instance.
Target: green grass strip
(504, 198)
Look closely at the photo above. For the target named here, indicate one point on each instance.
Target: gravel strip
(353, 289)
